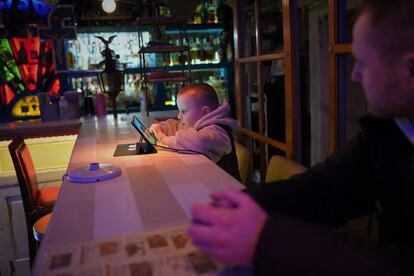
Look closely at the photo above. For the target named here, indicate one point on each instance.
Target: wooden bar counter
(154, 192)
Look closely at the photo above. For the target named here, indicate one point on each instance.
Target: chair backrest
(281, 168)
(243, 158)
(25, 172)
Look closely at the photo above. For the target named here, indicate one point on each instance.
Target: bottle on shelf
(223, 48)
(30, 80)
(163, 9)
(212, 12)
(208, 48)
(22, 53)
(175, 56)
(203, 12)
(202, 53)
(33, 52)
(196, 16)
(154, 10)
(195, 51)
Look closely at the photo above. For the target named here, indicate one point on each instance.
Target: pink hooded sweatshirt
(206, 136)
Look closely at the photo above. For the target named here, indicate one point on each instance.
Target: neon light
(55, 87)
(23, 5)
(9, 94)
(6, 5)
(39, 6)
(26, 106)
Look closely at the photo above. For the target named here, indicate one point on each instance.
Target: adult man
(374, 172)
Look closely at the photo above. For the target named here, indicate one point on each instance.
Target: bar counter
(154, 191)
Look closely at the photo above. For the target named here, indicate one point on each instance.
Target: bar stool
(36, 202)
(243, 159)
(40, 227)
(281, 168)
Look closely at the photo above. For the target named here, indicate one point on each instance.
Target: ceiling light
(109, 6)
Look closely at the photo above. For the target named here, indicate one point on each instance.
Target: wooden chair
(281, 168)
(36, 202)
(243, 158)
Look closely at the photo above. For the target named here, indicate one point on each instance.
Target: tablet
(143, 131)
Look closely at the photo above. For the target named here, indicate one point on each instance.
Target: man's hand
(229, 234)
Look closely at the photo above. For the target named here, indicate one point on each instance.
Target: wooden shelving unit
(162, 74)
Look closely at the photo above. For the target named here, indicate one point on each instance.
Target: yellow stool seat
(281, 168)
(243, 159)
(40, 226)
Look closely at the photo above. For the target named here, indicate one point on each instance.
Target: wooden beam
(345, 48)
(272, 56)
(260, 84)
(261, 138)
(333, 77)
(238, 34)
(291, 86)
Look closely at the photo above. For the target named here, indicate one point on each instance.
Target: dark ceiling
(90, 13)
(93, 8)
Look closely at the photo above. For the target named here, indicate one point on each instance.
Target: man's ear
(205, 110)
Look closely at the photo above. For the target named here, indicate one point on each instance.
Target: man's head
(383, 47)
(194, 102)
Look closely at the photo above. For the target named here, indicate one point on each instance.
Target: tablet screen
(143, 131)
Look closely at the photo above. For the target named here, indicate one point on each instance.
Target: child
(204, 126)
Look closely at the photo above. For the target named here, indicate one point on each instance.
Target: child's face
(190, 110)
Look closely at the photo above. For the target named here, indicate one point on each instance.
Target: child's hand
(157, 131)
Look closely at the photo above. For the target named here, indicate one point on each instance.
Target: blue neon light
(39, 6)
(23, 5)
(5, 5)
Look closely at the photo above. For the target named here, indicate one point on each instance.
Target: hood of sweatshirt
(219, 116)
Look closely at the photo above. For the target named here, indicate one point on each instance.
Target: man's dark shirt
(371, 173)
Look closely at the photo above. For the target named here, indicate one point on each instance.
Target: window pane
(353, 104)
(274, 95)
(247, 29)
(274, 99)
(313, 77)
(347, 10)
(250, 102)
(271, 26)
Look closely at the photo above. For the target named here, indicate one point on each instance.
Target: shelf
(196, 28)
(155, 77)
(103, 18)
(164, 49)
(81, 73)
(205, 66)
(165, 20)
(178, 79)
